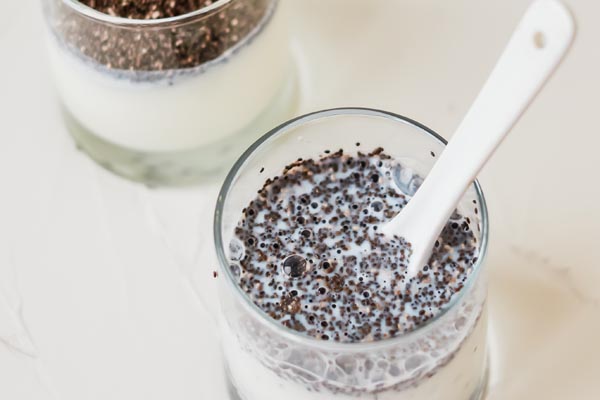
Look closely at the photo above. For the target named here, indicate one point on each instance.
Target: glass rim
(99, 16)
(299, 337)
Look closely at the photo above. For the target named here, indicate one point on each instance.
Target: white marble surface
(99, 277)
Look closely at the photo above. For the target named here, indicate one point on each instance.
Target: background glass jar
(169, 100)
(444, 358)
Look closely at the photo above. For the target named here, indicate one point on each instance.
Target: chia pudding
(165, 76)
(308, 253)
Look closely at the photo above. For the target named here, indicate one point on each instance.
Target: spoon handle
(534, 51)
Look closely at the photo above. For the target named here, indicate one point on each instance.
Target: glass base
(480, 393)
(186, 167)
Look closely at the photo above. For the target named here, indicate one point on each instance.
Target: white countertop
(99, 277)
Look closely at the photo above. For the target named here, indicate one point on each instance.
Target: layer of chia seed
(150, 53)
(309, 254)
(147, 9)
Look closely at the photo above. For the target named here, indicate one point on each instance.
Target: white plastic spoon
(535, 49)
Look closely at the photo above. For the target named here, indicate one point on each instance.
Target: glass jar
(170, 100)
(444, 358)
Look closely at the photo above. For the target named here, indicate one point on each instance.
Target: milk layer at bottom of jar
(459, 379)
(190, 111)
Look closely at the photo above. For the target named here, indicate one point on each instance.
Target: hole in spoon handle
(539, 40)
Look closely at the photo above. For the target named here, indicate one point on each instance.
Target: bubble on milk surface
(407, 180)
(294, 266)
(236, 250)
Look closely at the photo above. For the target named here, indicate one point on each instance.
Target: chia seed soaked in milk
(308, 251)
